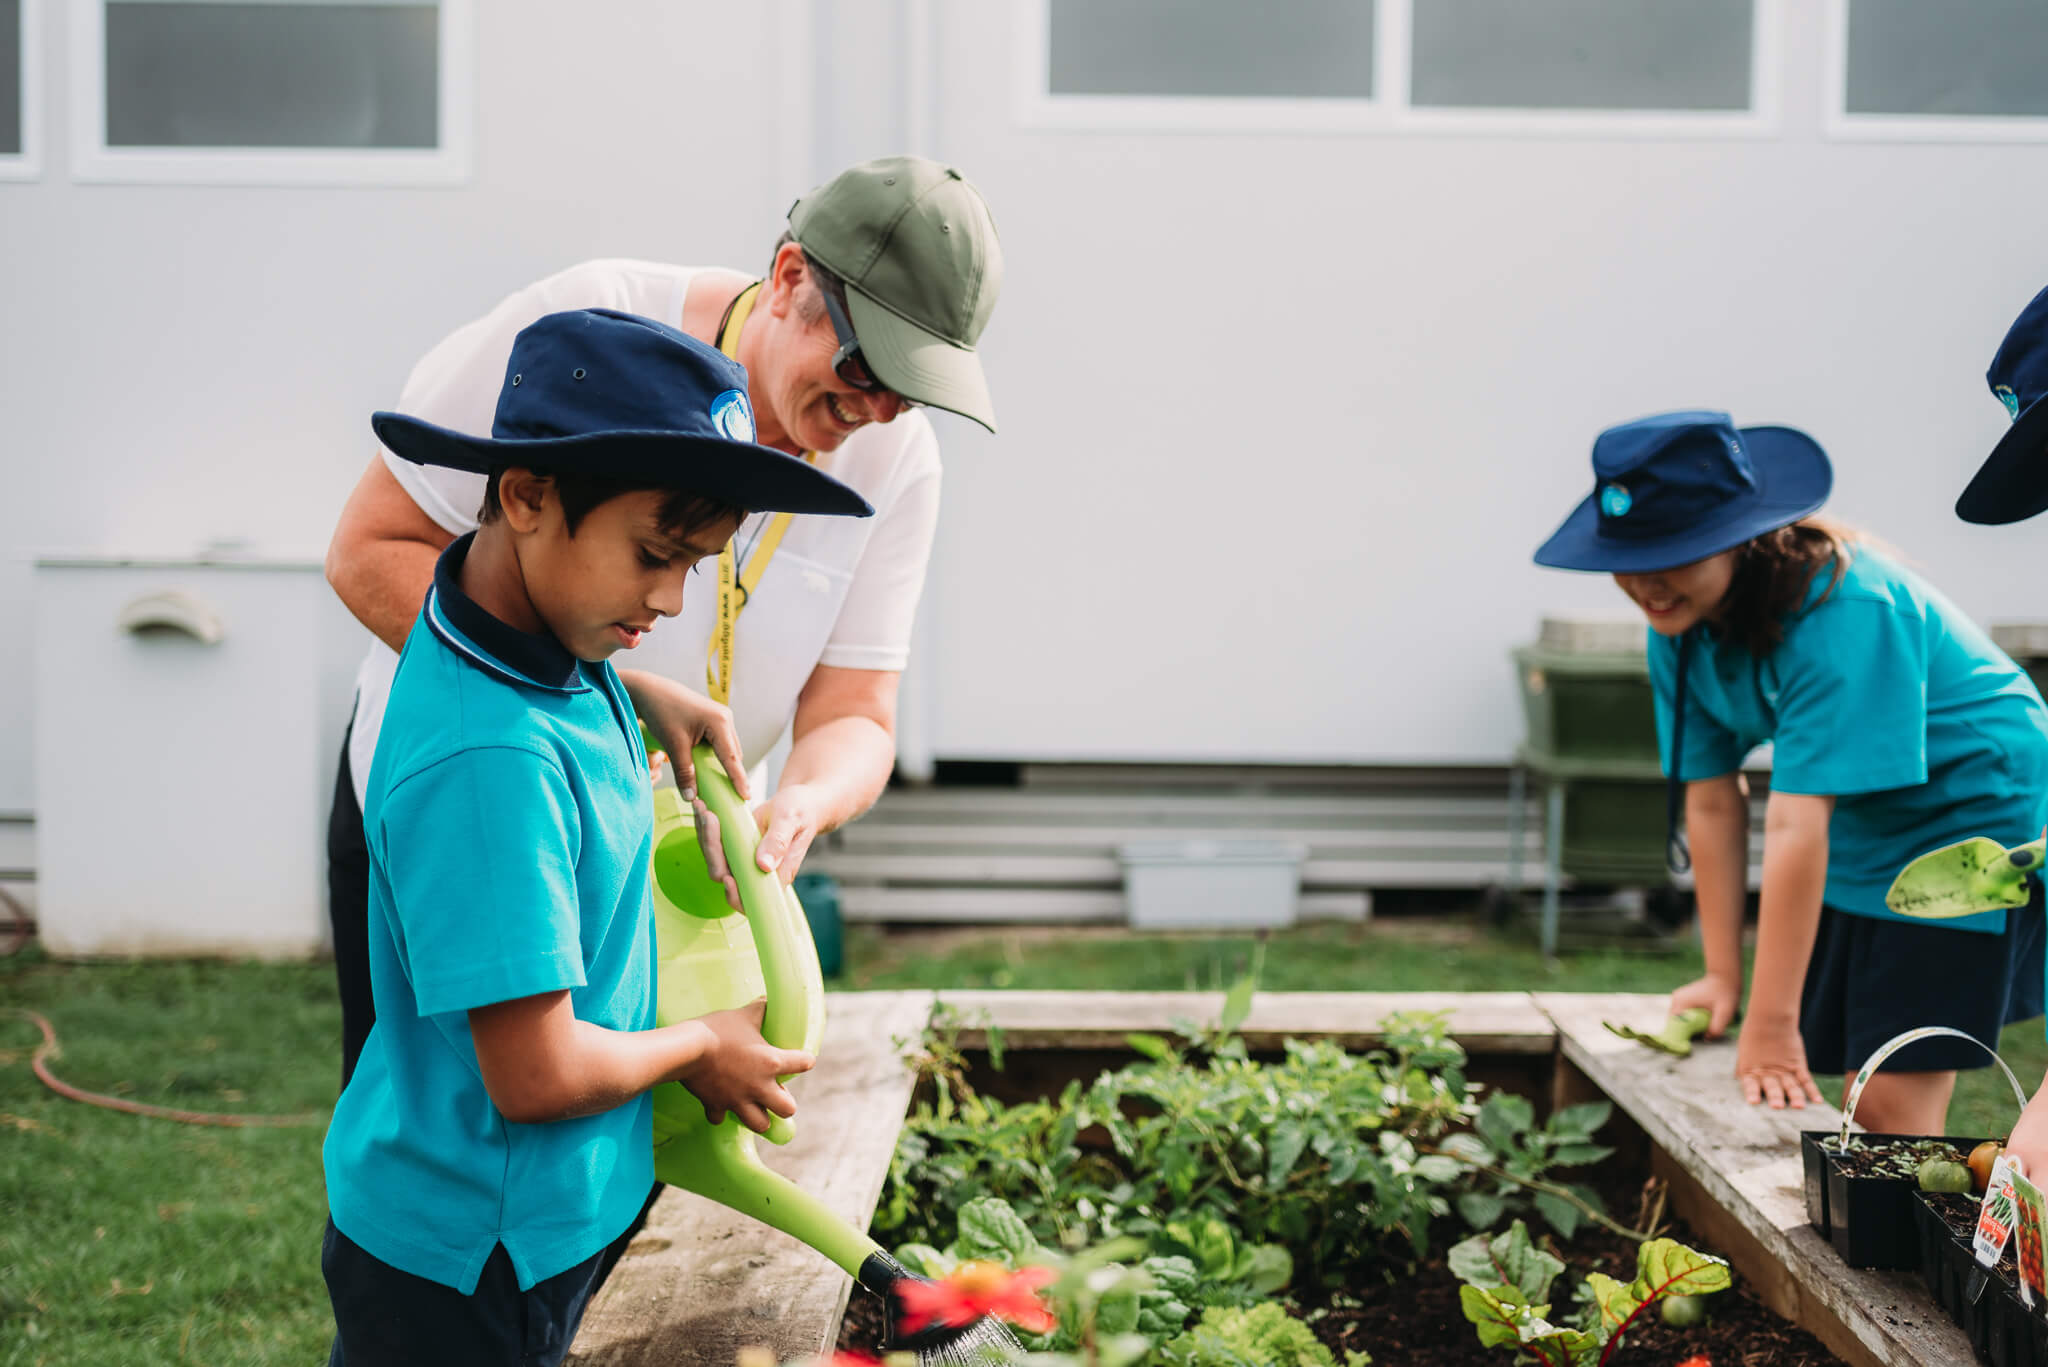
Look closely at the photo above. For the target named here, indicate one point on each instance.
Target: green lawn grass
(129, 1240)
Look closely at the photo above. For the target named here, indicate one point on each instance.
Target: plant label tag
(2028, 1224)
(1995, 1216)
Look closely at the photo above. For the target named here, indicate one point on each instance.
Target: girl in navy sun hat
(1897, 727)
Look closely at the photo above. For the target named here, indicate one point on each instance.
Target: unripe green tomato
(1683, 1312)
(1939, 1174)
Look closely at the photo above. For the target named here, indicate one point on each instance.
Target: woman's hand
(1718, 995)
(1770, 1063)
(789, 821)
(682, 720)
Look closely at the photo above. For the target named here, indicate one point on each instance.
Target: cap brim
(920, 365)
(759, 479)
(2012, 484)
(1793, 479)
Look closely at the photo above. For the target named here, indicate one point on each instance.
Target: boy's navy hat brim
(2012, 484)
(1793, 479)
(757, 478)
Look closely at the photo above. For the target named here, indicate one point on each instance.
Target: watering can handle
(789, 961)
(1898, 1042)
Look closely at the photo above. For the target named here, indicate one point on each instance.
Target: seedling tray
(1869, 1220)
(2002, 1330)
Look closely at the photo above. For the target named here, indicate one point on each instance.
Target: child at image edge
(1897, 727)
(496, 1135)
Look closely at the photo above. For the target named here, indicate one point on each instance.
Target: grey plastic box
(1212, 884)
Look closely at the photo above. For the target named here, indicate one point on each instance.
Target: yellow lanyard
(736, 590)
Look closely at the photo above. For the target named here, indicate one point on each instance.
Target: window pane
(1300, 48)
(10, 78)
(1582, 54)
(1984, 57)
(271, 75)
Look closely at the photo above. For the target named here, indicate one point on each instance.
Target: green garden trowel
(711, 958)
(1976, 875)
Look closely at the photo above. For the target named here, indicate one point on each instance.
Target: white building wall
(1285, 416)
(183, 363)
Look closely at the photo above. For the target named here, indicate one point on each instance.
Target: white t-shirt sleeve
(875, 621)
(456, 385)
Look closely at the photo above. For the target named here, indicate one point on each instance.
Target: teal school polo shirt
(509, 822)
(1888, 697)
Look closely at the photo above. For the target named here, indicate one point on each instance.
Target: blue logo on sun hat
(733, 415)
(1678, 487)
(2012, 483)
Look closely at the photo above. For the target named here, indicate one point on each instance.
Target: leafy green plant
(1263, 1335)
(1507, 1295)
(1507, 1147)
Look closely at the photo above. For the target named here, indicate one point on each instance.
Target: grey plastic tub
(1212, 884)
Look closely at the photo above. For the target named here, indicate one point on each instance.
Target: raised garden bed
(700, 1283)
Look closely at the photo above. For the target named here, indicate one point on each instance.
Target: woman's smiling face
(1676, 599)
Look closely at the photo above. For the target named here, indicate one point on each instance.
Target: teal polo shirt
(1887, 697)
(509, 821)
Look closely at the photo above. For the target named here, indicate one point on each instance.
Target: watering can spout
(1966, 879)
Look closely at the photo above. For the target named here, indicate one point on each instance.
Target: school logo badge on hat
(1615, 501)
(733, 415)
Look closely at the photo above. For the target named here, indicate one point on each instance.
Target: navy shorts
(1872, 979)
(387, 1318)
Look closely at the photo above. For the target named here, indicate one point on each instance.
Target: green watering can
(1972, 876)
(712, 958)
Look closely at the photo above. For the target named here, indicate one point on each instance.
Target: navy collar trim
(491, 645)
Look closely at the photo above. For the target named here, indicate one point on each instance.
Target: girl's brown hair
(1773, 574)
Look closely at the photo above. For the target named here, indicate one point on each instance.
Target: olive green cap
(915, 244)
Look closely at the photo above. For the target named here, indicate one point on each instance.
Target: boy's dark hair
(682, 512)
(1774, 573)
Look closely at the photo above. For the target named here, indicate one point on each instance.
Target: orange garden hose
(48, 1050)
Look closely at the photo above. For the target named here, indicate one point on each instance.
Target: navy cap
(612, 395)
(2012, 484)
(1679, 487)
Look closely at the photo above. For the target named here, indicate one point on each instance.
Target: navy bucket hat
(1679, 487)
(615, 396)
(2012, 484)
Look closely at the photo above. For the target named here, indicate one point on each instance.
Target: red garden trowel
(1968, 878)
(712, 958)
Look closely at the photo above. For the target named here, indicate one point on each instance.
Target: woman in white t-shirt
(872, 307)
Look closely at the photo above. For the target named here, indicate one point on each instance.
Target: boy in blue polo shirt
(496, 1135)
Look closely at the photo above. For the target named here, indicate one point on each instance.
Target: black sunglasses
(847, 362)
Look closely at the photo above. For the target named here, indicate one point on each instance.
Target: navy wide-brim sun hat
(2012, 484)
(615, 396)
(1678, 487)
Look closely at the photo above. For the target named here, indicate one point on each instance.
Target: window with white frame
(292, 90)
(1620, 66)
(1298, 49)
(1661, 55)
(1907, 61)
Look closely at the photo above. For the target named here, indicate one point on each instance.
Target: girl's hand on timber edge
(1770, 1063)
(1718, 996)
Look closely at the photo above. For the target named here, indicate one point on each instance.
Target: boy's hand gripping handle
(795, 1016)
